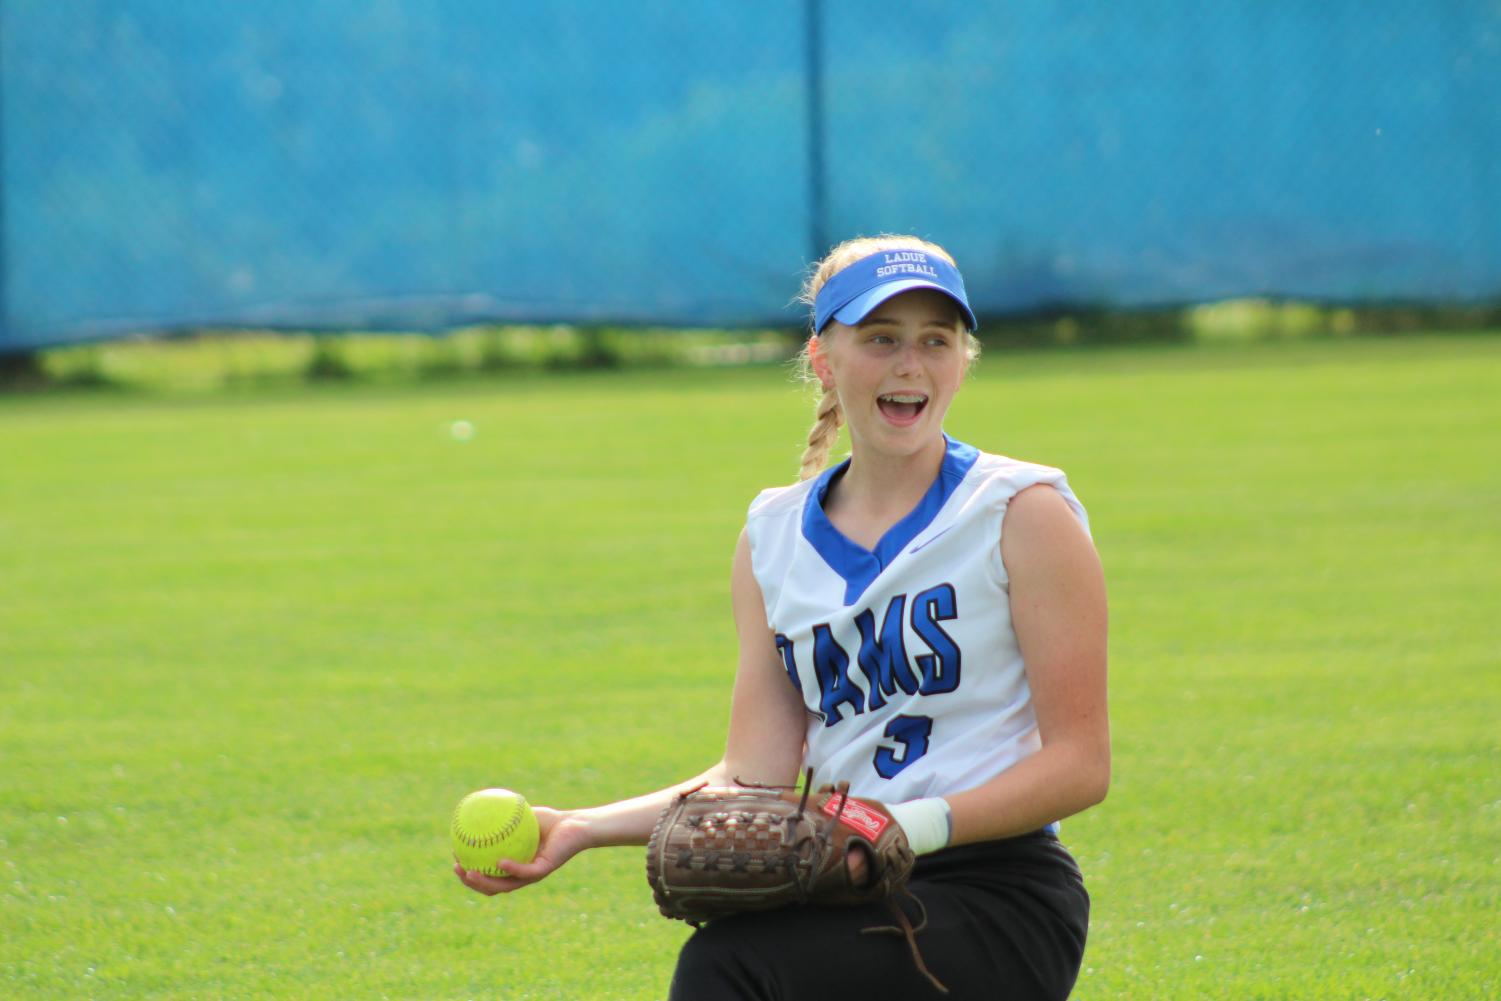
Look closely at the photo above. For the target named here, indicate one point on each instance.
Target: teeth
(905, 397)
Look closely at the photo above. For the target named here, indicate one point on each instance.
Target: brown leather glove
(726, 849)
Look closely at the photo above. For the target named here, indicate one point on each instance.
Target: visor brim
(861, 305)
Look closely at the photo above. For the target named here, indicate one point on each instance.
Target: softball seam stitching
(493, 839)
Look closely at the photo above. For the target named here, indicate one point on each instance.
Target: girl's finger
(488, 885)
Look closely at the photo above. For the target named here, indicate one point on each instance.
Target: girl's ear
(820, 363)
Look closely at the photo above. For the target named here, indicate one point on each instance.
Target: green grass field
(254, 647)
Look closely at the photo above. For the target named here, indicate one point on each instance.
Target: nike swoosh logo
(934, 539)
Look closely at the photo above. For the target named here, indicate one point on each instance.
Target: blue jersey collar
(857, 565)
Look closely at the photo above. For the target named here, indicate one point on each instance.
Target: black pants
(1006, 920)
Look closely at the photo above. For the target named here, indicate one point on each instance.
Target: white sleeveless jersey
(905, 657)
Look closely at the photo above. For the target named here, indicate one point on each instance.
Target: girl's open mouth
(901, 408)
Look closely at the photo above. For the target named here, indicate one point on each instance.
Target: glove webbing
(801, 870)
(821, 837)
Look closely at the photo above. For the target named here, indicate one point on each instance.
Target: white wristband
(928, 823)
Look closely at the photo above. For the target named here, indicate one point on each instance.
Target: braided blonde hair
(828, 418)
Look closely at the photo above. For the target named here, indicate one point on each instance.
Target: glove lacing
(904, 926)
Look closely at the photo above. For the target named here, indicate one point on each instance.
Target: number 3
(912, 733)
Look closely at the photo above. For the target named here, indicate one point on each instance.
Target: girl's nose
(906, 358)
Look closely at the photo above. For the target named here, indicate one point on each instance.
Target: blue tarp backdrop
(422, 164)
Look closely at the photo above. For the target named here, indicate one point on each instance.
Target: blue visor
(853, 292)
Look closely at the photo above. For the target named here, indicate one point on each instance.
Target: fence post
(813, 23)
(4, 260)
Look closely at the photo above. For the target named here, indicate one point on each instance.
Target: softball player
(926, 621)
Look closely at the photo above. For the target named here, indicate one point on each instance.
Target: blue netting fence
(420, 164)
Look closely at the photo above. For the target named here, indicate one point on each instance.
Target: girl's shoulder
(995, 479)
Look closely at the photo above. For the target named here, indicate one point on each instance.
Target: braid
(822, 435)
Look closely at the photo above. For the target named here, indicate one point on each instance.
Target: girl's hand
(561, 835)
(858, 863)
